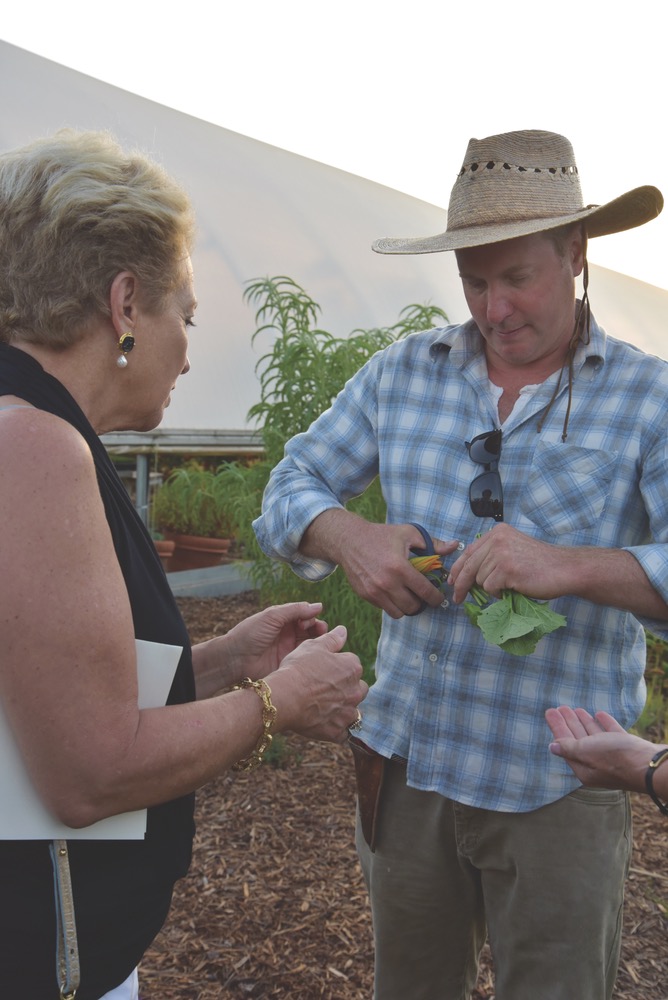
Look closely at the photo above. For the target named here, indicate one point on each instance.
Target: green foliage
(657, 659)
(280, 753)
(300, 374)
(515, 623)
(653, 721)
(306, 367)
(192, 501)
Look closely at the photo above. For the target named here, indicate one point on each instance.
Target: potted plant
(189, 509)
(165, 549)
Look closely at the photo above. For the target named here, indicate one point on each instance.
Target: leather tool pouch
(369, 771)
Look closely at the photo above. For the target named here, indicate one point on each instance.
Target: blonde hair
(75, 210)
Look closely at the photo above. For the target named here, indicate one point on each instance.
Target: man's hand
(375, 559)
(506, 559)
(378, 568)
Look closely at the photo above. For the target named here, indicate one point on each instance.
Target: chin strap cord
(581, 334)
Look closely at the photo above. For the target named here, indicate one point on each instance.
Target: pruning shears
(430, 564)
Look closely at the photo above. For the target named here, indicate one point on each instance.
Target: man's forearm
(616, 578)
(328, 533)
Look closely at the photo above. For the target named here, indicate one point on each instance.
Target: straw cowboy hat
(519, 183)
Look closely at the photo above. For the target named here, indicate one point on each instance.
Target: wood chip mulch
(275, 905)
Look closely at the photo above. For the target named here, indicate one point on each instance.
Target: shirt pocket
(568, 487)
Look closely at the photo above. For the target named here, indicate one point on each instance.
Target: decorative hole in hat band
(492, 165)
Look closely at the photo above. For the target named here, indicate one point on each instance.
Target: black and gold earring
(125, 345)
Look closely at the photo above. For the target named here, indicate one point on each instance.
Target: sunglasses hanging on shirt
(486, 491)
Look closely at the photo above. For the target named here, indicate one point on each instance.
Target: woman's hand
(259, 643)
(317, 688)
(600, 752)
(255, 647)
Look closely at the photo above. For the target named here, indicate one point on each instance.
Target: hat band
(497, 192)
(476, 166)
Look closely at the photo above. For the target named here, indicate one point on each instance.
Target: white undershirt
(526, 392)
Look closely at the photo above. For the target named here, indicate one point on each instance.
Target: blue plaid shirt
(468, 717)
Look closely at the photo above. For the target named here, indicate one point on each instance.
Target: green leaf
(498, 622)
(473, 611)
(548, 620)
(515, 623)
(524, 645)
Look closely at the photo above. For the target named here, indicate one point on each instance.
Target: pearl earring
(125, 345)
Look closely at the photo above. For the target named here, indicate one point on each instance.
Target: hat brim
(634, 208)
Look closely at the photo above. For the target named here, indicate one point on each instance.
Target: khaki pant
(545, 886)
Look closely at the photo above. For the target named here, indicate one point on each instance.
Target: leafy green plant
(657, 659)
(515, 623)
(280, 753)
(192, 501)
(653, 721)
(306, 367)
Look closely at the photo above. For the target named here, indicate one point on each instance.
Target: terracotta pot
(198, 552)
(165, 549)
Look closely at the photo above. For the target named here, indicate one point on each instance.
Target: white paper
(23, 816)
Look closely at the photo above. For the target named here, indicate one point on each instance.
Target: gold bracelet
(263, 691)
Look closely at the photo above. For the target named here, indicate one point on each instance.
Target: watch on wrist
(655, 762)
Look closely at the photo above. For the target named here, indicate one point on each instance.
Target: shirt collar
(462, 343)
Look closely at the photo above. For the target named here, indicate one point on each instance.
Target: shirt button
(433, 657)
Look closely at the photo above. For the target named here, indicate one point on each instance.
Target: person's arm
(68, 679)
(505, 558)
(602, 754)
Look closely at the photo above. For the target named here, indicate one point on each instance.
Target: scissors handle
(440, 583)
(428, 549)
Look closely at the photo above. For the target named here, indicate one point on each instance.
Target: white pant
(129, 990)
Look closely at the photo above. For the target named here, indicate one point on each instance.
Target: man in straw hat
(531, 421)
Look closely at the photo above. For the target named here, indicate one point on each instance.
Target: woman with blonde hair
(96, 297)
